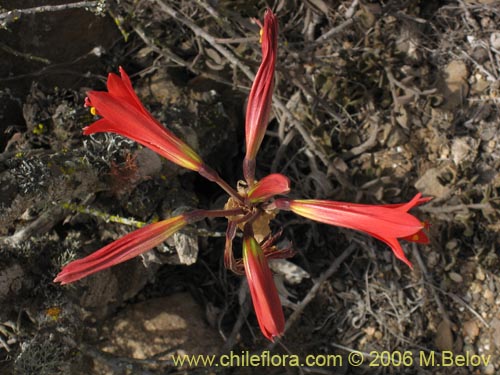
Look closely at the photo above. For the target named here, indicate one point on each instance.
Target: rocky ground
(374, 101)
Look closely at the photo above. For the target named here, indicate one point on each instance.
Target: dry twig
(317, 284)
(42, 224)
(316, 148)
(426, 277)
(13, 15)
(203, 34)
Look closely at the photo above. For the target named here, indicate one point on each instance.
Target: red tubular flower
(266, 301)
(259, 101)
(387, 223)
(420, 236)
(268, 187)
(123, 113)
(123, 249)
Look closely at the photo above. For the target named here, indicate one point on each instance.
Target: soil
(374, 102)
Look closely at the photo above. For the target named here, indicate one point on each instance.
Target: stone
(495, 329)
(174, 324)
(11, 280)
(453, 84)
(470, 329)
(444, 337)
(430, 184)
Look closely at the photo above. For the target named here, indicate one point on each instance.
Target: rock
(495, 329)
(54, 38)
(198, 117)
(105, 290)
(456, 277)
(495, 40)
(453, 84)
(470, 329)
(11, 280)
(10, 114)
(480, 84)
(397, 137)
(444, 337)
(480, 274)
(430, 184)
(186, 247)
(292, 273)
(489, 370)
(148, 163)
(489, 296)
(463, 150)
(169, 324)
(160, 88)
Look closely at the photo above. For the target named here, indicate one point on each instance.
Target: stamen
(93, 111)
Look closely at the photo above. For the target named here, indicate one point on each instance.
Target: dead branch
(209, 38)
(15, 14)
(317, 284)
(43, 224)
(316, 148)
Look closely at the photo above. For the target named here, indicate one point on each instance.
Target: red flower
(268, 187)
(387, 223)
(420, 236)
(123, 113)
(260, 98)
(123, 249)
(266, 301)
(249, 210)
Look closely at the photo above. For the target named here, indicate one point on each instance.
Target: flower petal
(419, 200)
(268, 187)
(264, 294)
(260, 98)
(395, 246)
(387, 223)
(419, 237)
(124, 119)
(123, 249)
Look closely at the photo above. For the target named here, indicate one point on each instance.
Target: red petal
(396, 249)
(124, 119)
(268, 187)
(117, 89)
(121, 88)
(419, 237)
(123, 249)
(260, 98)
(386, 222)
(264, 294)
(419, 201)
